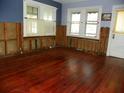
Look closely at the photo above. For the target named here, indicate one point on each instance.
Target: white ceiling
(68, 1)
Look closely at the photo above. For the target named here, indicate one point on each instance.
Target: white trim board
(68, 1)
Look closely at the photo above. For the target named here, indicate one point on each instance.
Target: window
(40, 19)
(49, 20)
(48, 14)
(32, 15)
(75, 23)
(32, 12)
(119, 27)
(91, 24)
(84, 22)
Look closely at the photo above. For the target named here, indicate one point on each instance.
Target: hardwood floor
(61, 71)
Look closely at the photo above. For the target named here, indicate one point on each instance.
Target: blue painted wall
(106, 5)
(12, 10)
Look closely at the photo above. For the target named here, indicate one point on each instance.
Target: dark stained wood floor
(61, 71)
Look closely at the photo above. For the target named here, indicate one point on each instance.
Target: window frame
(97, 23)
(36, 24)
(32, 11)
(72, 22)
(40, 7)
(83, 18)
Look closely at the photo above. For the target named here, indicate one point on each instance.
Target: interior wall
(106, 5)
(12, 10)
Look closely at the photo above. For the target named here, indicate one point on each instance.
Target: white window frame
(73, 23)
(82, 28)
(40, 17)
(33, 6)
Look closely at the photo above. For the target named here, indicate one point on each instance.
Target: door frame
(115, 7)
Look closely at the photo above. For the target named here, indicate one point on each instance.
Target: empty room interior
(61, 46)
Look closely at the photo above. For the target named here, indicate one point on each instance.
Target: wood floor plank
(61, 70)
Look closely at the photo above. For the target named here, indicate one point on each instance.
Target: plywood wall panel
(79, 46)
(12, 47)
(11, 29)
(33, 44)
(44, 42)
(9, 36)
(51, 41)
(26, 45)
(2, 48)
(61, 39)
(11, 41)
(91, 46)
(1, 31)
(38, 43)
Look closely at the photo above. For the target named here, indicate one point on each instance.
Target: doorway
(116, 39)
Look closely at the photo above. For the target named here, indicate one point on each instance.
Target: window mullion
(82, 23)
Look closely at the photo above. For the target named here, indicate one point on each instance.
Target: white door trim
(115, 7)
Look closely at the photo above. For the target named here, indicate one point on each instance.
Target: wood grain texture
(2, 48)
(12, 41)
(61, 38)
(10, 37)
(12, 32)
(61, 70)
(1, 31)
(91, 46)
(38, 43)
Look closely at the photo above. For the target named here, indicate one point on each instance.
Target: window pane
(49, 14)
(35, 10)
(29, 10)
(75, 28)
(120, 22)
(91, 30)
(92, 16)
(76, 16)
(32, 12)
(31, 27)
(34, 27)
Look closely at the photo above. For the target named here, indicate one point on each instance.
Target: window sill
(78, 36)
(38, 36)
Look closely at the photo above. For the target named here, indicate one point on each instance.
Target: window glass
(75, 24)
(91, 30)
(32, 15)
(34, 27)
(40, 23)
(91, 24)
(84, 22)
(92, 16)
(35, 11)
(29, 10)
(75, 28)
(120, 22)
(32, 12)
(76, 16)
